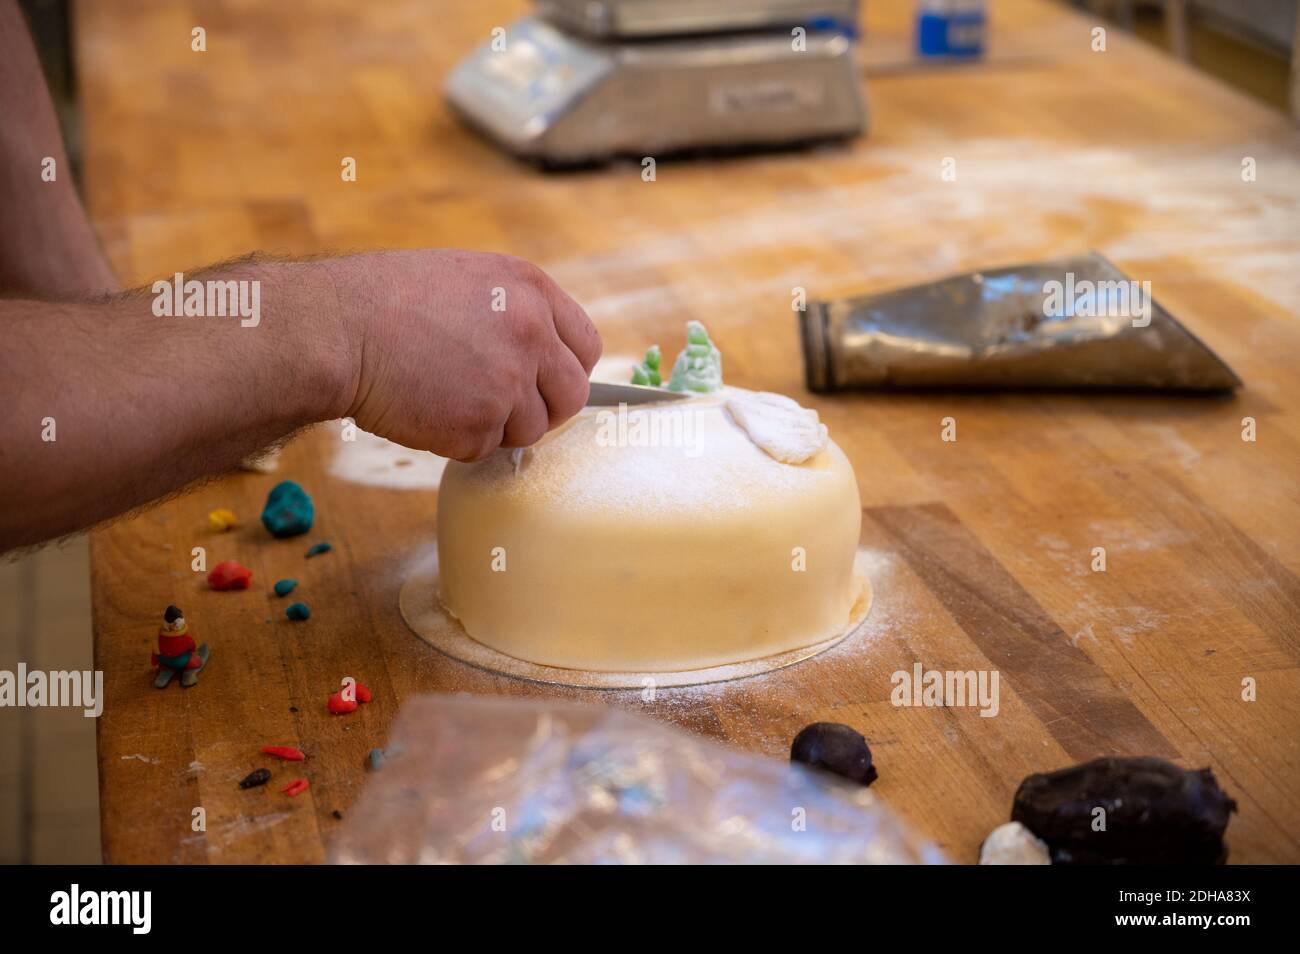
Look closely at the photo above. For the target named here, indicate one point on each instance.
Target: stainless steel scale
(587, 80)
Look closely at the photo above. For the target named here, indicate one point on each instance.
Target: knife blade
(604, 394)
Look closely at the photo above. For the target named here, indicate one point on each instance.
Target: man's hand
(461, 352)
(110, 405)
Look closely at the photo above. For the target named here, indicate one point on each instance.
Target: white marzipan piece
(1013, 844)
(787, 431)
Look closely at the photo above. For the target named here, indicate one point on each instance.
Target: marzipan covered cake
(659, 537)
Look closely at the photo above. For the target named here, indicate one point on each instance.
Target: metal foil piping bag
(1071, 323)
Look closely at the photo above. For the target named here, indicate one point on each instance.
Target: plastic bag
(493, 780)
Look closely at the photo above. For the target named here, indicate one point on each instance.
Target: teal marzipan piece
(288, 511)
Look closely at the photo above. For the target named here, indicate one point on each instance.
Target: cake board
(426, 617)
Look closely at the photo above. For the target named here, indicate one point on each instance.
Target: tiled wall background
(49, 782)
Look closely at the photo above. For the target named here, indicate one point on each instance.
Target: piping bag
(1069, 323)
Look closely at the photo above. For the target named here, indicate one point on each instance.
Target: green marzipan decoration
(647, 373)
(699, 366)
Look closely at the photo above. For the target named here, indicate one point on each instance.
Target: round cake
(657, 538)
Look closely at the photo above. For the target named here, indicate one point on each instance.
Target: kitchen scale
(587, 80)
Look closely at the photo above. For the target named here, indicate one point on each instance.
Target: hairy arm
(108, 405)
(47, 246)
(105, 404)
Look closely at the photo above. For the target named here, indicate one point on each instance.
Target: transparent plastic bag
(495, 780)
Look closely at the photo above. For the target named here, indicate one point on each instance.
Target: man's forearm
(47, 246)
(132, 405)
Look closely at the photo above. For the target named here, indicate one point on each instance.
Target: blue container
(950, 28)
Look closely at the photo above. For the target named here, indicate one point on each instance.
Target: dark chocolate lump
(833, 747)
(1155, 813)
(255, 778)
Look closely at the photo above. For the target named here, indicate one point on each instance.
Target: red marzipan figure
(177, 652)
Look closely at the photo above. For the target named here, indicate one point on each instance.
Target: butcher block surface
(981, 549)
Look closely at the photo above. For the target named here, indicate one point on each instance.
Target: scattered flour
(1124, 623)
(376, 462)
(220, 835)
(1085, 633)
(1175, 191)
(1123, 537)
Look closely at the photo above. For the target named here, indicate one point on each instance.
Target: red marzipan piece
(363, 694)
(341, 706)
(230, 575)
(286, 752)
(296, 787)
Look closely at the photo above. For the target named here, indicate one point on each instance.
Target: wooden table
(981, 548)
